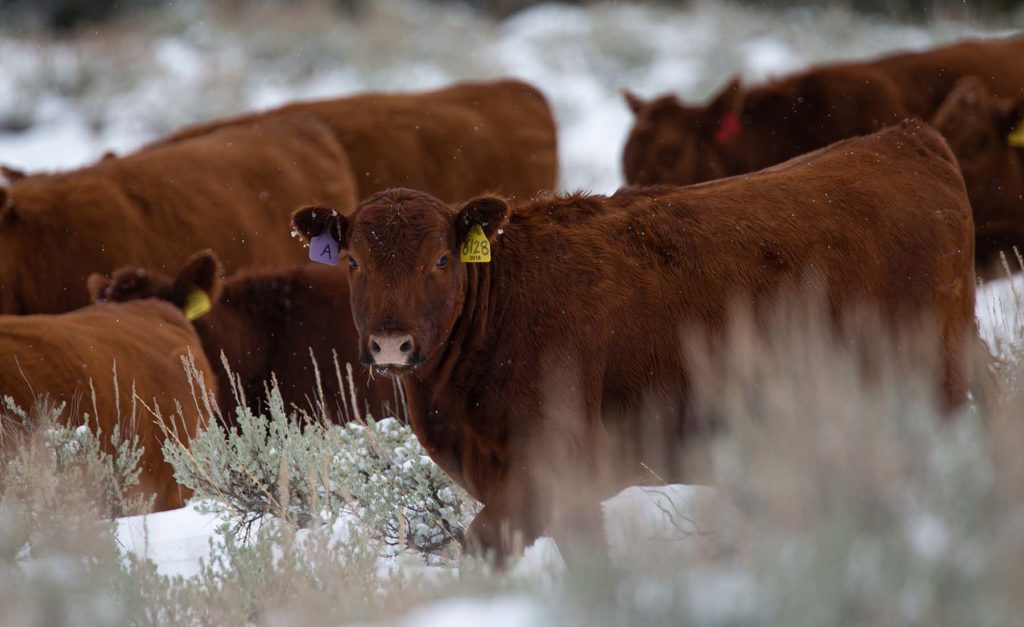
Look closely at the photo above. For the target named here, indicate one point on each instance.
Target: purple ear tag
(324, 249)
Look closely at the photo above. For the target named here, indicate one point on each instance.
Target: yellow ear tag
(197, 304)
(1016, 138)
(476, 248)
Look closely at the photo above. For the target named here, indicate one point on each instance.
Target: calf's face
(128, 283)
(671, 143)
(202, 271)
(978, 126)
(407, 281)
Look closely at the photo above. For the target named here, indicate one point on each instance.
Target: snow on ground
(178, 539)
(72, 101)
(507, 611)
(1000, 313)
(174, 540)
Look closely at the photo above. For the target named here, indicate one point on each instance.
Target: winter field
(837, 500)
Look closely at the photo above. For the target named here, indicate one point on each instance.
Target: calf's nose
(388, 348)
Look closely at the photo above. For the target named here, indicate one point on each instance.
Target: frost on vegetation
(45, 462)
(60, 486)
(310, 471)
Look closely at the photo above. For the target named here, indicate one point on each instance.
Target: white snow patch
(1000, 314)
(174, 540)
(509, 611)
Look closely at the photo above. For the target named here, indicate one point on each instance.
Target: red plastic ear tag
(729, 126)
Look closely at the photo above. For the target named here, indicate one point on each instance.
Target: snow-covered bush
(306, 469)
(46, 463)
(60, 486)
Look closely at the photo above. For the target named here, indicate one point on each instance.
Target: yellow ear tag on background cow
(1016, 138)
(197, 303)
(476, 248)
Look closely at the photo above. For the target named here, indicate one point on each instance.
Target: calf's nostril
(406, 346)
(375, 347)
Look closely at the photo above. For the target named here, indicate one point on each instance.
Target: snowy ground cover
(64, 103)
(72, 100)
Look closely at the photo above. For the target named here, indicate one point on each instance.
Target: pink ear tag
(324, 249)
(728, 127)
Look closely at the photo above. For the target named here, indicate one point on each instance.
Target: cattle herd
(525, 336)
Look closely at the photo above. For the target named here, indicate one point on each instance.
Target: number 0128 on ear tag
(324, 248)
(476, 248)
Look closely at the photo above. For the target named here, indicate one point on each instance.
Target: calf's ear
(314, 220)
(9, 175)
(963, 104)
(202, 270)
(1009, 120)
(490, 212)
(97, 285)
(729, 100)
(633, 101)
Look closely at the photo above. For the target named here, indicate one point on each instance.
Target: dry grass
(843, 496)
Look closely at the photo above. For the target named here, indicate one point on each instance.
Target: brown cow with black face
(265, 323)
(530, 376)
(456, 142)
(232, 190)
(59, 355)
(746, 129)
(980, 129)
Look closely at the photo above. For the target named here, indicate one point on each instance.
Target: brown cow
(743, 130)
(265, 322)
(232, 190)
(58, 355)
(455, 143)
(529, 367)
(980, 130)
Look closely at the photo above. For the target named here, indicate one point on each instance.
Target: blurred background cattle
(274, 325)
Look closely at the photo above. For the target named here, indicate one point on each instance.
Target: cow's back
(231, 191)
(841, 100)
(67, 357)
(883, 222)
(925, 78)
(455, 142)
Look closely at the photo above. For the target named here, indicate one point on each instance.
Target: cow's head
(978, 126)
(671, 143)
(230, 327)
(406, 278)
(201, 271)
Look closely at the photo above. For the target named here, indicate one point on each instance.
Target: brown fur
(671, 143)
(231, 190)
(539, 367)
(57, 355)
(455, 143)
(265, 322)
(977, 126)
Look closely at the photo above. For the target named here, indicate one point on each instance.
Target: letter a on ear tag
(197, 303)
(476, 248)
(1016, 138)
(324, 249)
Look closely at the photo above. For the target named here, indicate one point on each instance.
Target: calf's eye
(352, 263)
(668, 155)
(443, 261)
